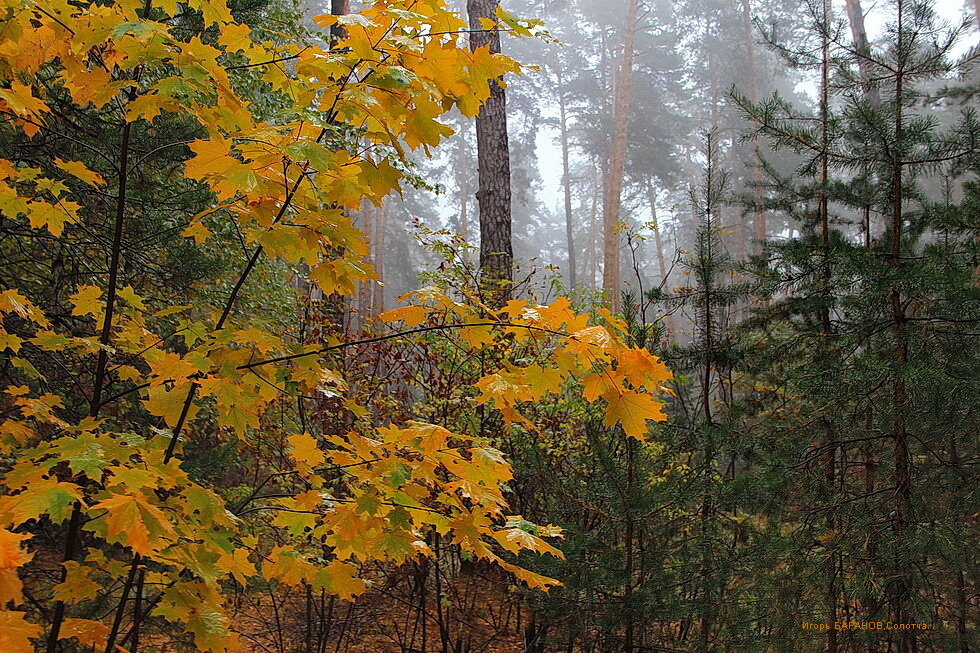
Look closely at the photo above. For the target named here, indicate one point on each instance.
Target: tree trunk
(740, 234)
(617, 161)
(855, 18)
(463, 174)
(594, 228)
(338, 8)
(493, 162)
(629, 545)
(661, 261)
(761, 231)
(365, 292)
(567, 185)
(380, 222)
(464, 204)
(830, 436)
(901, 587)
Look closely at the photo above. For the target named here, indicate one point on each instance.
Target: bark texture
(855, 18)
(338, 8)
(493, 159)
(611, 280)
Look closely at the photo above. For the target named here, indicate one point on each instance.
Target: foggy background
(689, 56)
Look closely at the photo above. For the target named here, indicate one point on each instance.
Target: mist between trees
(415, 326)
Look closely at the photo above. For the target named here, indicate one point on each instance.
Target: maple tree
(275, 139)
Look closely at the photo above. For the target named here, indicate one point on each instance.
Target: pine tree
(863, 318)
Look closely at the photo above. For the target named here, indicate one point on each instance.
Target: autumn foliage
(120, 383)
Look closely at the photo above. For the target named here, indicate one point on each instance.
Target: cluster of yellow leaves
(390, 82)
(402, 484)
(627, 379)
(354, 113)
(42, 201)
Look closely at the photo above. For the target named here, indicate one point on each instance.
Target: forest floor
(397, 615)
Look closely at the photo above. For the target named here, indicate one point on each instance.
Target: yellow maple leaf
(11, 587)
(54, 216)
(237, 564)
(16, 631)
(131, 519)
(340, 579)
(168, 404)
(632, 409)
(516, 540)
(40, 496)
(12, 555)
(11, 301)
(168, 366)
(87, 300)
(77, 586)
(410, 315)
(288, 566)
(86, 631)
(197, 231)
(212, 156)
(597, 385)
(81, 171)
(642, 368)
(129, 294)
(304, 451)
(533, 580)
(20, 99)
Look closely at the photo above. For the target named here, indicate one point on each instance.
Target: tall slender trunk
(594, 227)
(859, 35)
(740, 234)
(759, 217)
(901, 588)
(830, 436)
(101, 365)
(464, 175)
(566, 184)
(611, 280)
(493, 162)
(961, 598)
(380, 223)
(365, 292)
(464, 204)
(629, 544)
(658, 243)
(706, 281)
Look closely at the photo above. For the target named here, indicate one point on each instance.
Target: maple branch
(232, 298)
(71, 139)
(401, 334)
(268, 63)
(159, 149)
(117, 620)
(331, 500)
(105, 338)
